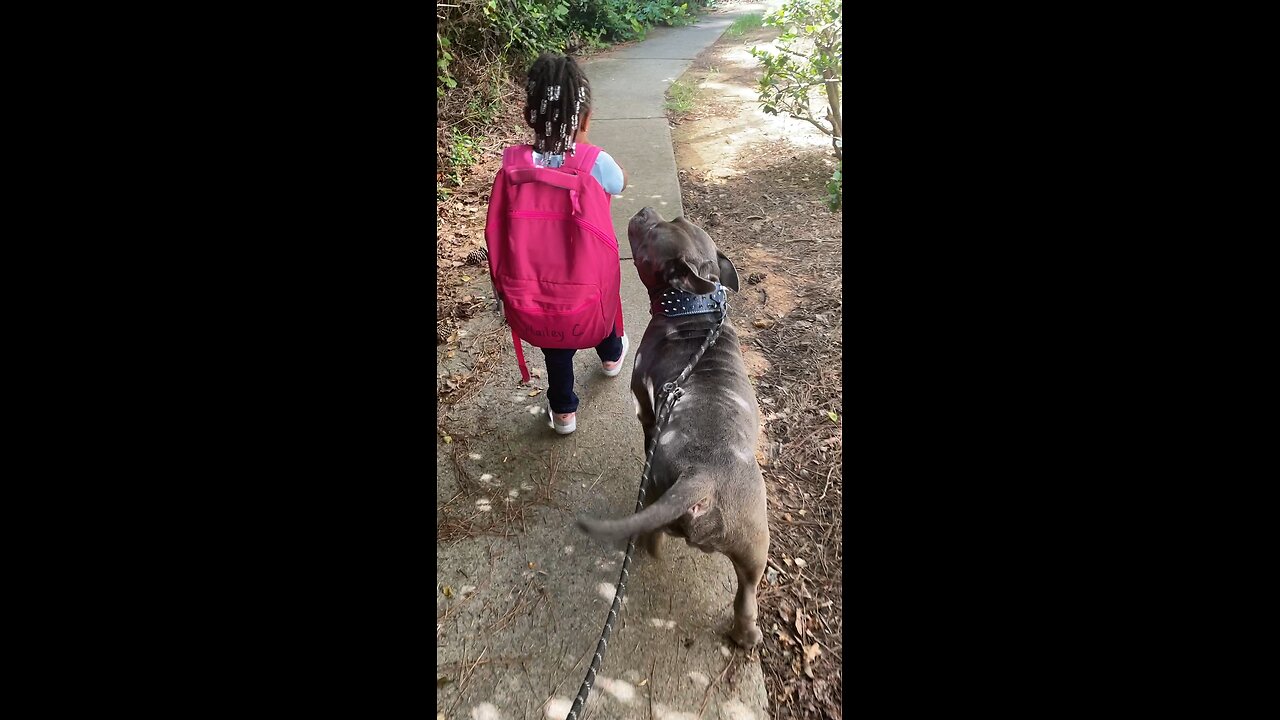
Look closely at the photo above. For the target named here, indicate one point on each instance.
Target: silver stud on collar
(684, 303)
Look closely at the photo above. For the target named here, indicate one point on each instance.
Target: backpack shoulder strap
(517, 156)
(583, 159)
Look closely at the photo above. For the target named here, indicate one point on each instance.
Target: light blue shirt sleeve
(606, 171)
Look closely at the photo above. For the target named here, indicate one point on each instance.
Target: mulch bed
(766, 210)
(789, 313)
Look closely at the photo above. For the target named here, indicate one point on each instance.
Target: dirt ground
(756, 184)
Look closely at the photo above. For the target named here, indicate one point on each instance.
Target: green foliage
(809, 59)
(443, 59)
(680, 97)
(527, 27)
(835, 188)
(623, 20)
(666, 12)
(483, 45)
(745, 23)
(603, 20)
(483, 106)
(464, 150)
(514, 32)
(518, 30)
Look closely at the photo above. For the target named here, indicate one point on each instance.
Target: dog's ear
(699, 508)
(682, 276)
(728, 273)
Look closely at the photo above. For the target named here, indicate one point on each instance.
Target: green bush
(810, 55)
(480, 41)
(606, 20)
(835, 188)
(667, 12)
(528, 26)
(444, 79)
(463, 152)
(521, 29)
(810, 58)
(518, 30)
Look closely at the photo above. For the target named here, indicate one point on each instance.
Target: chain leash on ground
(671, 392)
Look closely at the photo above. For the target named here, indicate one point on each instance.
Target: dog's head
(677, 254)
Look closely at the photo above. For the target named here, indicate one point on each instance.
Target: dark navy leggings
(560, 372)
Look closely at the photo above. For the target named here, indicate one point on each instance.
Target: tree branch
(815, 123)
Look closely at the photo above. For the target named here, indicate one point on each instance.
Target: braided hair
(556, 96)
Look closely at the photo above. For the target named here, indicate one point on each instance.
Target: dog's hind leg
(749, 566)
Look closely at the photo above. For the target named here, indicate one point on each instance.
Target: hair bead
(554, 114)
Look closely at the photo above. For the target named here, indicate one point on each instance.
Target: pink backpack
(553, 257)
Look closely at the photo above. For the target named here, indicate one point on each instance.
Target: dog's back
(705, 484)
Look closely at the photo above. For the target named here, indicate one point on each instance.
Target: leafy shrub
(463, 153)
(529, 26)
(605, 19)
(835, 188)
(443, 59)
(811, 49)
(518, 30)
(482, 45)
(669, 12)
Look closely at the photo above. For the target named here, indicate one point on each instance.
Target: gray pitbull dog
(706, 486)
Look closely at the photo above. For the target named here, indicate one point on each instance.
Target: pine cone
(442, 334)
(478, 256)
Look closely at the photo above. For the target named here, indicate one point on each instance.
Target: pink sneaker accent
(563, 423)
(613, 368)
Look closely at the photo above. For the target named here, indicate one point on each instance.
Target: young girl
(558, 125)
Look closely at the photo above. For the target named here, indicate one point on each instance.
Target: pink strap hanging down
(524, 369)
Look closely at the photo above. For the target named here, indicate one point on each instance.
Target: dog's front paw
(746, 636)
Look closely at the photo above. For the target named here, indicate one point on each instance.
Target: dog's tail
(691, 495)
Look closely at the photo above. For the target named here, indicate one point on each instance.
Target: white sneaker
(564, 423)
(613, 368)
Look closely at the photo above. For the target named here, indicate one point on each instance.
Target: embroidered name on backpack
(550, 333)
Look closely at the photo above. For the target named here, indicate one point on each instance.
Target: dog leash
(671, 392)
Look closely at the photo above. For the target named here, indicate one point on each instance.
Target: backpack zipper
(604, 237)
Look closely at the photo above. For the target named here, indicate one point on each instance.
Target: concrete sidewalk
(518, 645)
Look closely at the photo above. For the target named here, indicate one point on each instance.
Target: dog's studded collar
(678, 303)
